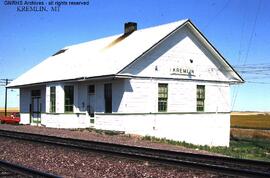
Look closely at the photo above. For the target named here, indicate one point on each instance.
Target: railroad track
(16, 171)
(225, 165)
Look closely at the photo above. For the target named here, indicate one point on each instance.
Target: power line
(252, 32)
(267, 83)
(254, 64)
(217, 14)
(249, 44)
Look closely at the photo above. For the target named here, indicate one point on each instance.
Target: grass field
(250, 136)
(250, 121)
(257, 149)
(250, 125)
(9, 111)
(250, 133)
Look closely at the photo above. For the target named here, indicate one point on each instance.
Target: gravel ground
(68, 162)
(83, 134)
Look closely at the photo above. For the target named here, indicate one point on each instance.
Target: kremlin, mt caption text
(43, 6)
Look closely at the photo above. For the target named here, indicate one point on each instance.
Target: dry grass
(250, 133)
(249, 113)
(256, 121)
(252, 125)
(9, 111)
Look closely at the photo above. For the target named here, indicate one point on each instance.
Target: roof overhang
(81, 79)
(216, 53)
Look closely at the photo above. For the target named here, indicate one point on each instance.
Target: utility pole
(4, 82)
(6, 97)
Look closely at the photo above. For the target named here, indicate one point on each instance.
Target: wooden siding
(202, 129)
(141, 96)
(26, 100)
(177, 51)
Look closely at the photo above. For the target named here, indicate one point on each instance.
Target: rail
(13, 170)
(226, 165)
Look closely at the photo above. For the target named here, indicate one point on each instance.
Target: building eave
(126, 76)
(80, 79)
(196, 30)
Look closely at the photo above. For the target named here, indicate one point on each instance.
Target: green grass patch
(99, 131)
(257, 149)
(108, 132)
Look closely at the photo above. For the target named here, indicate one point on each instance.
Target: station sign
(181, 71)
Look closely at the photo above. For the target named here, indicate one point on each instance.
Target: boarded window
(69, 98)
(162, 97)
(108, 97)
(200, 97)
(52, 99)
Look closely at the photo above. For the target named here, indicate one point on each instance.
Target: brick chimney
(130, 27)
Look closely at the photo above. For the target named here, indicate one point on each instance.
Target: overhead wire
(249, 45)
(235, 90)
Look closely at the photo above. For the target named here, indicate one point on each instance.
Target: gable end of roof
(241, 80)
(187, 22)
(153, 46)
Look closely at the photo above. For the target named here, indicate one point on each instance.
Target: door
(91, 104)
(108, 97)
(36, 107)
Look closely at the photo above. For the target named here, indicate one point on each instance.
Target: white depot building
(166, 81)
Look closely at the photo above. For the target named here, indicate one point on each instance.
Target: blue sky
(239, 29)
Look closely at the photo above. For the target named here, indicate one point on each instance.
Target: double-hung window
(52, 99)
(69, 98)
(162, 97)
(200, 97)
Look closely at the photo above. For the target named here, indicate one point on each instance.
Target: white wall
(65, 120)
(217, 98)
(26, 100)
(48, 98)
(25, 118)
(138, 95)
(82, 97)
(136, 102)
(182, 122)
(201, 129)
(99, 95)
(118, 90)
(141, 96)
(59, 90)
(177, 51)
